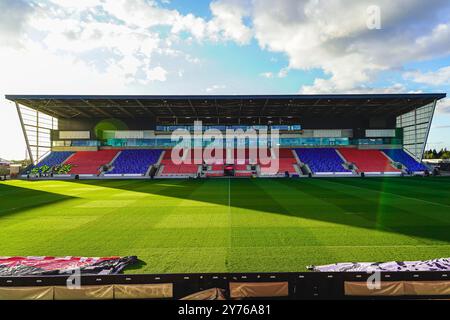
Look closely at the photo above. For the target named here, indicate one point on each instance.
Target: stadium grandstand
(110, 190)
(320, 135)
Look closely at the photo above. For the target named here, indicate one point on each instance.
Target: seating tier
(321, 160)
(408, 161)
(90, 162)
(368, 160)
(135, 161)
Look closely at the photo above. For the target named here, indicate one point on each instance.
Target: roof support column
(428, 129)
(37, 135)
(19, 113)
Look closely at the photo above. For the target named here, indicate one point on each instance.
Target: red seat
(217, 167)
(171, 169)
(241, 160)
(286, 161)
(368, 160)
(214, 174)
(285, 153)
(242, 174)
(90, 162)
(184, 168)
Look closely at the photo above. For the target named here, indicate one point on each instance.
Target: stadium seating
(242, 174)
(182, 169)
(240, 167)
(135, 161)
(399, 155)
(368, 160)
(214, 174)
(286, 162)
(55, 158)
(285, 156)
(217, 167)
(170, 168)
(89, 162)
(321, 160)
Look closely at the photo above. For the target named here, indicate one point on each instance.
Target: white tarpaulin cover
(442, 264)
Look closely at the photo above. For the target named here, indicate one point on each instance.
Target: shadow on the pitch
(15, 199)
(375, 203)
(136, 266)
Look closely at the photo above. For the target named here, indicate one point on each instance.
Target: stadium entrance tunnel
(381, 204)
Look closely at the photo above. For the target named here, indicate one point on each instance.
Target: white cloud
(443, 106)
(324, 86)
(157, 74)
(215, 87)
(434, 44)
(283, 73)
(140, 13)
(441, 127)
(125, 49)
(14, 15)
(228, 21)
(333, 36)
(79, 4)
(434, 78)
(267, 75)
(280, 74)
(41, 70)
(38, 71)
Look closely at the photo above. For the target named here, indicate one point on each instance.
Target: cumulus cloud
(13, 17)
(283, 73)
(117, 37)
(267, 75)
(78, 5)
(442, 127)
(157, 74)
(280, 74)
(333, 36)
(434, 78)
(141, 13)
(215, 87)
(228, 21)
(43, 70)
(443, 106)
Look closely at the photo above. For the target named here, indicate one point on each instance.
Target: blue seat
(55, 158)
(399, 155)
(135, 161)
(321, 159)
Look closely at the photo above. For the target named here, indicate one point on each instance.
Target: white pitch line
(229, 194)
(229, 213)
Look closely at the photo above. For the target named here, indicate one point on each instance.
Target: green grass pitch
(223, 225)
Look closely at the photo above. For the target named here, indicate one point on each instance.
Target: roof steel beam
(144, 108)
(121, 108)
(97, 109)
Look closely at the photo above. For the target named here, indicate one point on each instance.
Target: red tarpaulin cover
(20, 266)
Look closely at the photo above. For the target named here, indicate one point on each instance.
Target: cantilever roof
(221, 106)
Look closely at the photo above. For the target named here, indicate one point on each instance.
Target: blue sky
(222, 47)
